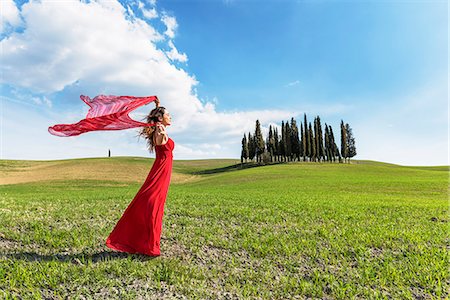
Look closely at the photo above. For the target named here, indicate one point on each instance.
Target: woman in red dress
(139, 228)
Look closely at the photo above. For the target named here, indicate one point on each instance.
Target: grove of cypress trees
(310, 144)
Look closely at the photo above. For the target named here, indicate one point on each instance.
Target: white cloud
(292, 83)
(195, 152)
(171, 25)
(47, 56)
(174, 55)
(9, 14)
(149, 13)
(47, 101)
(42, 100)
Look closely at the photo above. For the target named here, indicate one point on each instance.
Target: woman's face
(167, 119)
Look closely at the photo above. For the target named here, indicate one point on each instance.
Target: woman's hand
(157, 102)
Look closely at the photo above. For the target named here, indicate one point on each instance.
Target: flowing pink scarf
(105, 113)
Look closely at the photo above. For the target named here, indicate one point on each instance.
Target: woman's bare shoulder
(165, 142)
(166, 138)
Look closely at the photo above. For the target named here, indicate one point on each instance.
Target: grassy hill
(123, 169)
(135, 169)
(283, 231)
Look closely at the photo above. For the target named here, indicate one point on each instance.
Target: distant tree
(306, 139)
(268, 140)
(350, 140)
(328, 147)
(283, 142)
(259, 142)
(271, 143)
(302, 141)
(295, 141)
(288, 142)
(335, 149)
(312, 145)
(344, 146)
(244, 154)
(277, 145)
(109, 153)
(251, 147)
(320, 153)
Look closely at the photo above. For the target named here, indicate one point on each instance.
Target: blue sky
(381, 66)
(332, 48)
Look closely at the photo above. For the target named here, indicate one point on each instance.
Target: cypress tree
(295, 141)
(302, 141)
(350, 140)
(251, 147)
(277, 145)
(344, 146)
(283, 142)
(259, 142)
(271, 143)
(316, 143)
(311, 144)
(327, 144)
(244, 154)
(335, 149)
(318, 139)
(288, 142)
(268, 145)
(306, 146)
(321, 150)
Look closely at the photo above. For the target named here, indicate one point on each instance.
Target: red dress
(139, 228)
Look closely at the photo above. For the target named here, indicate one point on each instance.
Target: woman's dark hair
(148, 131)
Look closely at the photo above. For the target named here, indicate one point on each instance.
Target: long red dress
(139, 228)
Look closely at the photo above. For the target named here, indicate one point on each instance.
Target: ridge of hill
(135, 169)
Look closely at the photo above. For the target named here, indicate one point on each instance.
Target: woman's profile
(139, 228)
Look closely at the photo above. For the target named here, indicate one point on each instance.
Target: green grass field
(365, 230)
